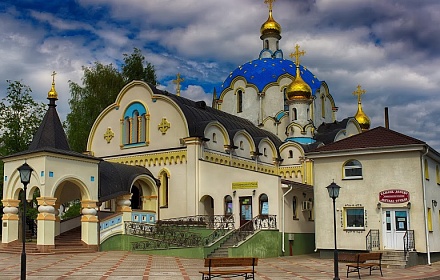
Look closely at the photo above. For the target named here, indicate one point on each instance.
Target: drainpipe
(284, 220)
(428, 252)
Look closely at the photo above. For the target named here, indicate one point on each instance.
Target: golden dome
(270, 26)
(298, 89)
(52, 94)
(362, 118)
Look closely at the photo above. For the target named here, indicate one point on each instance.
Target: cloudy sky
(391, 48)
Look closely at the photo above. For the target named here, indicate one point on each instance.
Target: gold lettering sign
(244, 185)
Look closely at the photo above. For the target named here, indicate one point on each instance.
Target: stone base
(45, 248)
(92, 247)
(10, 244)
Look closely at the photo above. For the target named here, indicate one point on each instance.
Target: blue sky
(391, 48)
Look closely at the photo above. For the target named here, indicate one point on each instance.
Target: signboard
(394, 196)
(244, 185)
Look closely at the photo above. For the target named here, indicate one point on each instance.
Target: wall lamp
(379, 205)
(234, 193)
(408, 205)
(253, 192)
(434, 203)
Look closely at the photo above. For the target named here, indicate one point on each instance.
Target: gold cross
(53, 76)
(359, 91)
(108, 135)
(270, 3)
(297, 54)
(177, 82)
(164, 126)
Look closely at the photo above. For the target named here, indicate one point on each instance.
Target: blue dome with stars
(263, 71)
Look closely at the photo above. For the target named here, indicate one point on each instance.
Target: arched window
(228, 205)
(239, 101)
(294, 114)
(164, 191)
(278, 45)
(264, 204)
(265, 152)
(214, 138)
(426, 169)
(266, 44)
(352, 170)
(295, 208)
(323, 105)
(241, 145)
(290, 154)
(135, 124)
(311, 212)
(437, 173)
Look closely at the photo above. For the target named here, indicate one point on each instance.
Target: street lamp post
(333, 192)
(25, 176)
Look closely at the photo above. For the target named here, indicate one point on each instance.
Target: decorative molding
(164, 126)
(108, 135)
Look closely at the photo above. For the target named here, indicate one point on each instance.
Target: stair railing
(257, 223)
(220, 231)
(408, 241)
(372, 240)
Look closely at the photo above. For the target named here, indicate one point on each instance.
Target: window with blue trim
(135, 125)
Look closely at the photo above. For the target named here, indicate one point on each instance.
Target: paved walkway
(127, 265)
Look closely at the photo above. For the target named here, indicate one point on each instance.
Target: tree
(20, 117)
(100, 86)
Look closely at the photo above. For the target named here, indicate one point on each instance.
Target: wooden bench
(371, 261)
(247, 273)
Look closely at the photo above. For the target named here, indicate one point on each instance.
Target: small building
(390, 189)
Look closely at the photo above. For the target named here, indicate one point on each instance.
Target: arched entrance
(207, 205)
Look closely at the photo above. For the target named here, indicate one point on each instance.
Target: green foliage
(20, 117)
(73, 210)
(100, 86)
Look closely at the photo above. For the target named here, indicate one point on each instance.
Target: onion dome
(298, 89)
(361, 117)
(52, 94)
(270, 26)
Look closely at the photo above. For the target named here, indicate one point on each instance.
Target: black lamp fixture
(333, 192)
(434, 203)
(25, 176)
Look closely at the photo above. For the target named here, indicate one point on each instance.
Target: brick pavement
(127, 265)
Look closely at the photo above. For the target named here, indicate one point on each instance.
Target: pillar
(89, 223)
(123, 204)
(10, 220)
(57, 219)
(46, 224)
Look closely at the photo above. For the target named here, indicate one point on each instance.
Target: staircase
(17, 247)
(222, 251)
(394, 259)
(70, 242)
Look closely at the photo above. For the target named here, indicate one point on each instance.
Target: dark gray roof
(327, 132)
(116, 179)
(199, 115)
(51, 132)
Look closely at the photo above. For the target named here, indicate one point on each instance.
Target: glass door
(395, 224)
(245, 209)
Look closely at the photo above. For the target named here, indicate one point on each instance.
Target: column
(89, 223)
(57, 219)
(46, 224)
(10, 220)
(123, 204)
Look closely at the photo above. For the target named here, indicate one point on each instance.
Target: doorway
(245, 209)
(395, 224)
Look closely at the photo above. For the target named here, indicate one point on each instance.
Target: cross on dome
(269, 3)
(297, 55)
(52, 94)
(359, 91)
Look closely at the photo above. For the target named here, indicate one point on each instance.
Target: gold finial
(177, 82)
(52, 94)
(359, 91)
(361, 117)
(297, 55)
(270, 26)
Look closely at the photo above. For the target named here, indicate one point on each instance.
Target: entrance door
(395, 224)
(245, 209)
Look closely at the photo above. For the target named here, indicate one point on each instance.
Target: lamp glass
(25, 173)
(333, 190)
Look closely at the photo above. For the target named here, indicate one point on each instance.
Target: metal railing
(257, 223)
(176, 232)
(372, 240)
(408, 241)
